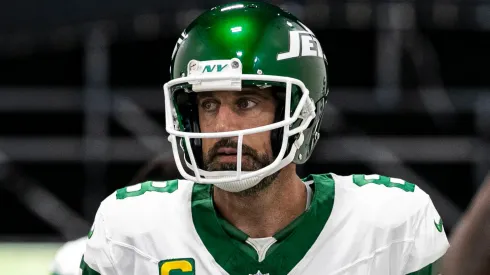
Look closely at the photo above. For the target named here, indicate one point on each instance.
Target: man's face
(225, 111)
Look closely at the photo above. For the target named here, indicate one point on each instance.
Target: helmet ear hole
(312, 133)
(320, 104)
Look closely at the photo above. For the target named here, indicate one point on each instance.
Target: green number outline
(361, 180)
(147, 186)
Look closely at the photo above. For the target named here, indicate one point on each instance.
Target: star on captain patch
(259, 273)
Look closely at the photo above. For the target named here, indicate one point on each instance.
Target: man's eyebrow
(204, 95)
(263, 95)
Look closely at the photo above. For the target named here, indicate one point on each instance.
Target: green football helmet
(246, 44)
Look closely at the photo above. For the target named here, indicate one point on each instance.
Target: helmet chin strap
(239, 185)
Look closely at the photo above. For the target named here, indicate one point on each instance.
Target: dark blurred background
(81, 100)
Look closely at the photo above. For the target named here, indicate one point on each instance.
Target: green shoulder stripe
(86, 270)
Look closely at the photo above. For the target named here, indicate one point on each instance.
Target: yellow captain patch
(177, 267)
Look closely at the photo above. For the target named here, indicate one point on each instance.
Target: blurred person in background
(68, 256)
(67, 259)
(469, 253)
(245, 103)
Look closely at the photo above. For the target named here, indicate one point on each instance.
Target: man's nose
(226, 119)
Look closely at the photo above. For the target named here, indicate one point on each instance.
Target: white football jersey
(358, 224)
(68, 257)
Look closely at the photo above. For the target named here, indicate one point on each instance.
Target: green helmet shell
(268, 41)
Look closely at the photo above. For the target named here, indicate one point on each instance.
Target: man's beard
(253, 161)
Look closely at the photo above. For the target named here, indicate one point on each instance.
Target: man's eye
(246, 104)
(209, 105)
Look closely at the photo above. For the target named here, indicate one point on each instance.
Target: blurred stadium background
(81, 106)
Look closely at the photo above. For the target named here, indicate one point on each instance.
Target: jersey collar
(227, 245)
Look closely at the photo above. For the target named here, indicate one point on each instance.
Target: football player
(245, 102)
(67, 258)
